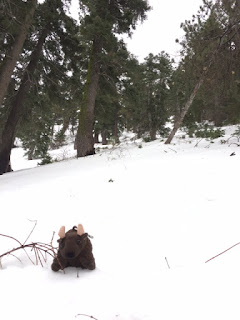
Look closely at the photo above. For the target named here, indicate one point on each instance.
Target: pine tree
(105, 19)
(42, 75)
(207, 47)
(20, 14)
(146, 89)
(157, 75)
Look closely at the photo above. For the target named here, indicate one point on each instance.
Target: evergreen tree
(207, 48)
(108, 120)
(156, 79)
(103, 20)
(146, 89)
(45, 64)
(15, 20)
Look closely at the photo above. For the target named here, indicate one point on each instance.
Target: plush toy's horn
(61, 232)
(80, 230)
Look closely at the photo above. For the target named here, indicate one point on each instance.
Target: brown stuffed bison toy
(75, 250)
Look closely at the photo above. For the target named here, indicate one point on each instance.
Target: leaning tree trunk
(185, 110)
(11, 57)
(227, 37)
(9, 130)
(84, 139)
(188, 104)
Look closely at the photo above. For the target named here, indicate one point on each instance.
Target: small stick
(173, 150)
(54, 253)
(31, 230)
(223, 252)
(85, 315)
(35, 252)
(15, 257)
(4, 235)
(39, 257)
(167, 263)
(198, 143)
(40, 253)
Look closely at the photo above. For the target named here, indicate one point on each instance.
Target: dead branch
(237, 144)
(4, 235)
(40, 249)
(54, 253)
(223, 252)
(21, 247)
(172, 150)
(85, 315)
(31, 230)
(196, 145)
(16, 257)
(167, 262)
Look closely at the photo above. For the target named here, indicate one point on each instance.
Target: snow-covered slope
(148, 209)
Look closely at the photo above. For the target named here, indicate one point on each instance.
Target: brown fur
(74, 251)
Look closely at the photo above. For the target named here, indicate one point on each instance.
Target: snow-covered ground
(157, 213)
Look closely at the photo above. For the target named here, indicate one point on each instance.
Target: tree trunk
(96, 136)
(185, 110)
(153, 133)
(11, 57)
(104, 136)
(222, 41)
(9, 130)
(85, 140)
(115, 129)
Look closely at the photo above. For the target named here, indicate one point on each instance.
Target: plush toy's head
(72, 242)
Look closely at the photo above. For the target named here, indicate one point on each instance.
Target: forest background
(59, 75)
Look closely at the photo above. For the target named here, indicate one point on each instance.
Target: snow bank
(145, 207)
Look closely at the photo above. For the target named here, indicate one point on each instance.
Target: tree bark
(185, 110)
(11, 57)
(189, 102)
(96, 136)
(115, 129)
(222, 41)
(9, 130)
(104, 136)
(153, 133)
(85, 140)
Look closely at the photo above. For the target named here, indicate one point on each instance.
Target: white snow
(146, 208)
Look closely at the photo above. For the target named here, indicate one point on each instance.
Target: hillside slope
(157, 213)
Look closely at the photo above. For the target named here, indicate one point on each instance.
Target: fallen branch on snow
(41, 250)
(223, 252)
(167, 262)
(85, 315)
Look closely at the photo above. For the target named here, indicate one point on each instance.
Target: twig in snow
(198, 143)
(173, 150)
(237, 144)
(16, 257)
(31, 230)
(21, 247)
(85, 315)
(223, 252)
(54, 253)
(38, 248)
(167, 263)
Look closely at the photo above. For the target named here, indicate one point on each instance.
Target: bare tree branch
(31, 230)
(85, 315)
(223, 252)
